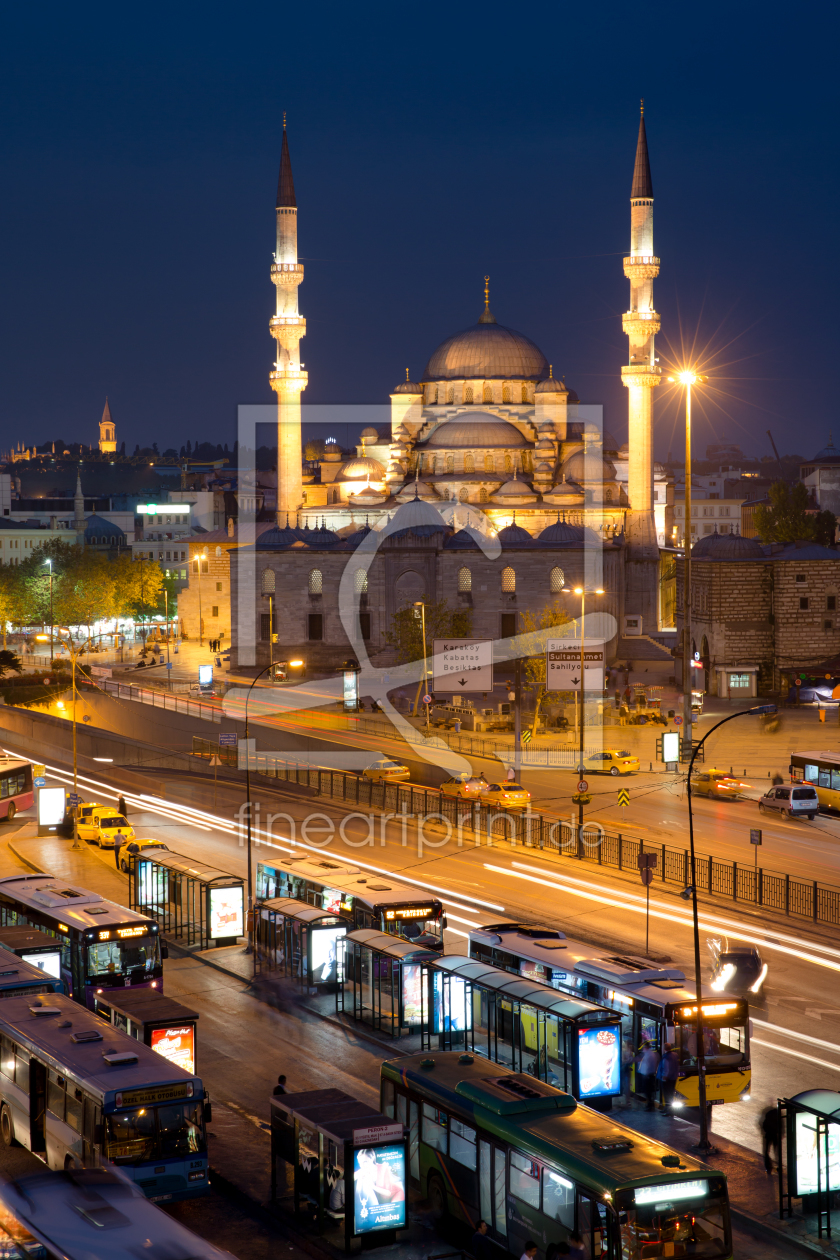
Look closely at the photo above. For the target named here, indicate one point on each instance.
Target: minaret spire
(487, 316)
(287, 327)
(641, 375)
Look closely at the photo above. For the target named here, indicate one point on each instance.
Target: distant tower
(287, 327)
(641, 375)
(79, 510)
(107, 432)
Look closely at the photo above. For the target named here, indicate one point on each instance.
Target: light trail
(796, 1054)
(458, 919)
(813, 1041)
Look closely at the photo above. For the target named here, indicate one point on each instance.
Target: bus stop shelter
(809, 1156)
(160, 1022)
(300, 942)
(385, 982)
(192, 901)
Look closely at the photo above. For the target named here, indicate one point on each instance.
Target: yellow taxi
(465, 786)
(102, 826)
(144, 846)
(385, 768)
(506, 795)
(716, 783)
(611, 761)
(84, 813)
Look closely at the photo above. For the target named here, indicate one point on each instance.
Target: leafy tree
(10, 662)
(786, 518)
(538, 628)
(442, 622)
(314, 449)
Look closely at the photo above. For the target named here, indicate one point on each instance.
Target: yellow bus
(822, 769)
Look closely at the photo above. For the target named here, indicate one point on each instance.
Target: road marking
(796, 1054)
(813, 1041)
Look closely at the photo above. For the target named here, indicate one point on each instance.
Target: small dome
(369, 435)
(360, 469)
(514, 536)
(575, 468)
(473, 432)
(408, 387)
(727, 547)
(514, 491)
(544, 467)
(550, 386)
(416, 515)
(331, 455)
(545, 444)
(350, 542)
(828, 454)
(369, 497)
(561, 535)
(277, 538)
(418, 489)
(321, 537)
(462, 540)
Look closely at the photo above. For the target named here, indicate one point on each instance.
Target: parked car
(84, 813)
(105, 825)
(388, 769)
(717, 783)
(143, 846)
(507, 795)
(465, 786)
(612, 761)
(796, 801)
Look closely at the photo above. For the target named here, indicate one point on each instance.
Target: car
(612, 761)
(385, 768)
(86, 825)
(466, 786)
(716, 783)
(739, 971)
(797, 801)
(508, 795)
(143, 846)
(108, 823)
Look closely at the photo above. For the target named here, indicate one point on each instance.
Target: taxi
(85, 824)
(144, 846)
(385, 768)
(507, 795)
(717, 783)
(465, 786)
(104, 825)
(611, 761)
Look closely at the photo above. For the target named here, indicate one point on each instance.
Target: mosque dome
(514, 536)
(360, 469)
(462, 540)
(487, 350)
(278, 537)
(828, 454)
(321, 537)
(550, 386)
(575, 468)
(564, 494)
(408, 387)
(417, 516)
(418, 490)
(369, 497)
(561, 534)
(545, 444)
(331, 455)
(727, 547)
(475, 431)
(369, 435)
(349, 542)
(514, 492)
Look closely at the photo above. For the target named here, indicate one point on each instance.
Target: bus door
(91, 1121)
(37, 1106)
(647, 1029)
(492, 1186)
(593, 1223)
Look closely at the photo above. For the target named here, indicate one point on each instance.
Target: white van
(796, 800)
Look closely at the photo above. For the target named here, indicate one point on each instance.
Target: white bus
(19, 978)
(90, 1214)
(78, 1094)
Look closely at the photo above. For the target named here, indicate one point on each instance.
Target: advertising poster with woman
(378, 1188)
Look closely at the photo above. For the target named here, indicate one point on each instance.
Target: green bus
(505, 1147)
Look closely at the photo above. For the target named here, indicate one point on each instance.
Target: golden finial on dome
(643, 107)
(284, 120)
(551, 372)
(407, 377)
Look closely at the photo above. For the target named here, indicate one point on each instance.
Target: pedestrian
(627, 696)
(646, 1070)
(280, 1087)
(119, 841)
(771, 1133)
(511, 774)
(577, 1251)
(481, 1247)
(627, 1061)
(668, 1075)
(122, 807)
(530, 1251)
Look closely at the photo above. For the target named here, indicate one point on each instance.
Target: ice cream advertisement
(599, 1061)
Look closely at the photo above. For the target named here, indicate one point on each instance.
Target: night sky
(430, 144)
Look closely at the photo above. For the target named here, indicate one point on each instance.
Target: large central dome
(487, 350)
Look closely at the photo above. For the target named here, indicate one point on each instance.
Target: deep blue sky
(430, 144)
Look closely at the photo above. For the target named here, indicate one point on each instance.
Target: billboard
(205, 675)
(805, 1139)
(599, 1062)
(379, 1188)
(324, 955)
(49, 962)
(51, 807)
(226, 912)
(351, 690)
(177, 1045)
(412, 994)
(452, 1014)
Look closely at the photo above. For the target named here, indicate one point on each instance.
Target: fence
(160, 700)
(476, 822)
(566, 755)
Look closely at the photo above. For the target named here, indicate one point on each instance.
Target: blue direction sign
(74, 798)
(227, 739)
(40, 782)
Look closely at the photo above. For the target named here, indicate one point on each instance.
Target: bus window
(592, 1226)
(73, 1115)
(559, 1198)
(686, 1218)
(22, 1071)
(462, 1143)
(525, 1179)
(811, 774)
(7, 1058)
(402, 1109)
(835, 780)
(650, 1031)
(825, 777)
(388, 1099)
(499, 1197)
(414, 1139)
(181, 1130)
(434, 1127)
(131, 1136)
(109, 957)
(55, 1094)
(722, 1046)
(485, 1206)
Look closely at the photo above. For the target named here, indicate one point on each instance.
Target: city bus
(655, 1002)
(63, 1216)
(19, 978)
(16, 790)
(535, 1164)
(79, 1094)
(822, 769)
(363, 899)
(103, 946)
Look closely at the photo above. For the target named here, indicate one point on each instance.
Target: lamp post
(250, 946)
(687, 378)
(201, 558)
(52, 626)
(75, 653)
(419, 604)
(704, 1144)
(582, 591)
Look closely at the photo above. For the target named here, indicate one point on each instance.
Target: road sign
(583, 786)
(101, 671)
(216, 760)
(755, 835)
(427, 699)
(623, 797)
(678, 720)
(74, 798)
(378, 1133)
(39, 782)
(526, 736)
(562, 665)
(462, 665)
(228, 739)
(646, 876)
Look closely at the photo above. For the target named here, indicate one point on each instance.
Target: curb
(755, 1225)
(39, 870)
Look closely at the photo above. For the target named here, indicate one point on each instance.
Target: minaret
(79, 510)
(287, 328)
(107, 431)
(641, 375)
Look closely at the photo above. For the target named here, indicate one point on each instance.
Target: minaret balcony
(288, 380)
(287, 329)
(644, 374)
(288, 275)
(640, 324)
(641, 267)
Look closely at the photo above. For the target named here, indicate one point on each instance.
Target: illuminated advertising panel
(177, 1045)
(226, 913)
(51, 807)
(379, 1188)
(331, 901)
(351, 690)
(599, 1062)
(412, 994)
(452, 1011)
(50, 963)
(325, 955)
(805, 1135)
(205, 675)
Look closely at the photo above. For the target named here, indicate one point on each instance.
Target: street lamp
(419, 604)
(250, 947)
(75, 653)
(201, 558)
(582, 591)
(52, 628)
(704, 1143)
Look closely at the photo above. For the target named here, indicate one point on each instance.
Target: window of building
(218, 586)
(506, 393)
(508, 464)
(708, 511)
(827, 624)
(265, 627)
(183, 575)
(360, 581)
(803, 602)
(488, 393)
(557, 580)
(316, 583)
(464, 580)
(468, 394)
(724, 511)
(737, 681)
(469, 463)
(482, 495)
(608, 495)
(269, 582)
(508, 580)
(449, 464)
(463, 495)
(800, 577)
(488, 463)
(831, 602)
(450, 394)
(214, 610)
(714, 496)
(508, 625)
(525, 393)
(316, 627)
(364, 625)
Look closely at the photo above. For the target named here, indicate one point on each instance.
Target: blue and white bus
(103, 945)
(19, 978)
(80, 1094)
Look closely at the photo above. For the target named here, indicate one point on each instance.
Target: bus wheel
(437, 1197)
(7, 1128)
(12, 811)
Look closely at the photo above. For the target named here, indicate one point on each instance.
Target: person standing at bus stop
(646, 1072)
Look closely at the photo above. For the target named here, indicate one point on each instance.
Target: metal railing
(160, 700)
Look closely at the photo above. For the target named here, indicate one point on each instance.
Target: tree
(537, 629)
(12, 597)
(787, 519)
(442, 622)
(10, 662)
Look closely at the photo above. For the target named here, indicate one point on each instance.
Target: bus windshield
(723, 1047)
(688, 1218)
(148, 1133)
(109, 958)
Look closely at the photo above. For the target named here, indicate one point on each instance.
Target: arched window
(506, 393)
(488, 463)
(488, 393)
(608, 495)
(450, 463)
(430, 464)
(508, 580)
(464, 495)
(450, 394)
(269, 582)
(464, 580)
(557, 581)
(524, 393)
(316, 582)
(360, 581)
(469, 463)
(508, 464)
(482, 495)
(468, 394)
(218, 551)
